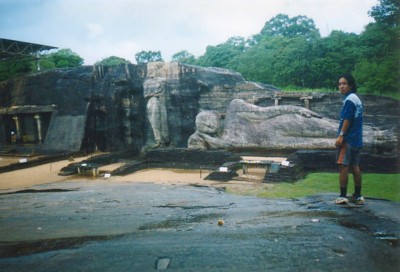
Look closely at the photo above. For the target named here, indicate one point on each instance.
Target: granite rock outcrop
(105, 107)
(112, 108)
(284, 127)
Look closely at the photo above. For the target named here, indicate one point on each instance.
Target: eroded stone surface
(135, 106)
(106, 226)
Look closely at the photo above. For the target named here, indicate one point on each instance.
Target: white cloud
(94, 30)
(104, 49)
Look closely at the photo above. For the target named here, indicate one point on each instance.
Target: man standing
(349, 141)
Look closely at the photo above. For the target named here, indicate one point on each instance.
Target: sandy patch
(48, 173)
(45, 173)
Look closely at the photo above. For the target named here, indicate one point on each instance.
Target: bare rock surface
(94, 226)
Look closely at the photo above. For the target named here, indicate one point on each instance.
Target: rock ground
(171, 223)
(141, 226)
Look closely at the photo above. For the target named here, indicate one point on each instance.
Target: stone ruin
(177, 106)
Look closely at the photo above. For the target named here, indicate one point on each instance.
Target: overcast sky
(96, 29)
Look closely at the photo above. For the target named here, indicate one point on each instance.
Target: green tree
(257, 63)
(148, 56)
(222, 54)
(281, 54)
(65, 58)
(276, 60)
(45, 63)
(333, 55)
(290, 27)
(184, 57)
(377, 41)
(378, 68)
(292, 66)
(387, 13)
(17, 66)
(14, 67)
(113, 60)
(378, 77)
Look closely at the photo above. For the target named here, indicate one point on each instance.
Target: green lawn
(394, 94)
(386, 186)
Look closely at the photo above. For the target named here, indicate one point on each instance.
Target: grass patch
(291, 89)
(386, 186)
(307, 90)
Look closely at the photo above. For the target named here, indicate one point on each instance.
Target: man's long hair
(351, 81)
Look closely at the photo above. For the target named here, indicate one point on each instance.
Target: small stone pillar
(18, 127)
(276, 100)
(245, 168)
(306, 101)
(39, 126)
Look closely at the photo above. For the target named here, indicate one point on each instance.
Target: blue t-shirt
(353, 112)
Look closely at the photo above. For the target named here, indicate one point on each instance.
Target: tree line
(288, 52)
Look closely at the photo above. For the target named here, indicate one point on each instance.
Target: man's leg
(357, 197)
(355, 169)
(342, 157)
(343, 179)
(357, 176)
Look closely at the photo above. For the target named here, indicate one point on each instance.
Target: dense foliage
(63, 58)
(13, 67)
(16, 66)
(113, 60)
(290, 53)
(148, 56)
(184, 56)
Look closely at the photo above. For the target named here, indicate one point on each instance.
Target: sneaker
(357, 200)
(341, 200)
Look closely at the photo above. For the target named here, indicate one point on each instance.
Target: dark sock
(343, 192)
(357, 191)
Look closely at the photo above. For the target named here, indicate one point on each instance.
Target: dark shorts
(347, 155)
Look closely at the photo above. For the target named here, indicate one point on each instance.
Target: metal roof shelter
(11, 48)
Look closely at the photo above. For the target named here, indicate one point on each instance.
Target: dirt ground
(48, 173)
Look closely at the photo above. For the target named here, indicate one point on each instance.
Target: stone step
(284, 174)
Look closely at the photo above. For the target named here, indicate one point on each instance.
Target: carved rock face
(106, 107)
(275, 127)
(207, 122)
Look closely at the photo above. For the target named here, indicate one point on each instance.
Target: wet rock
(143, 227)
